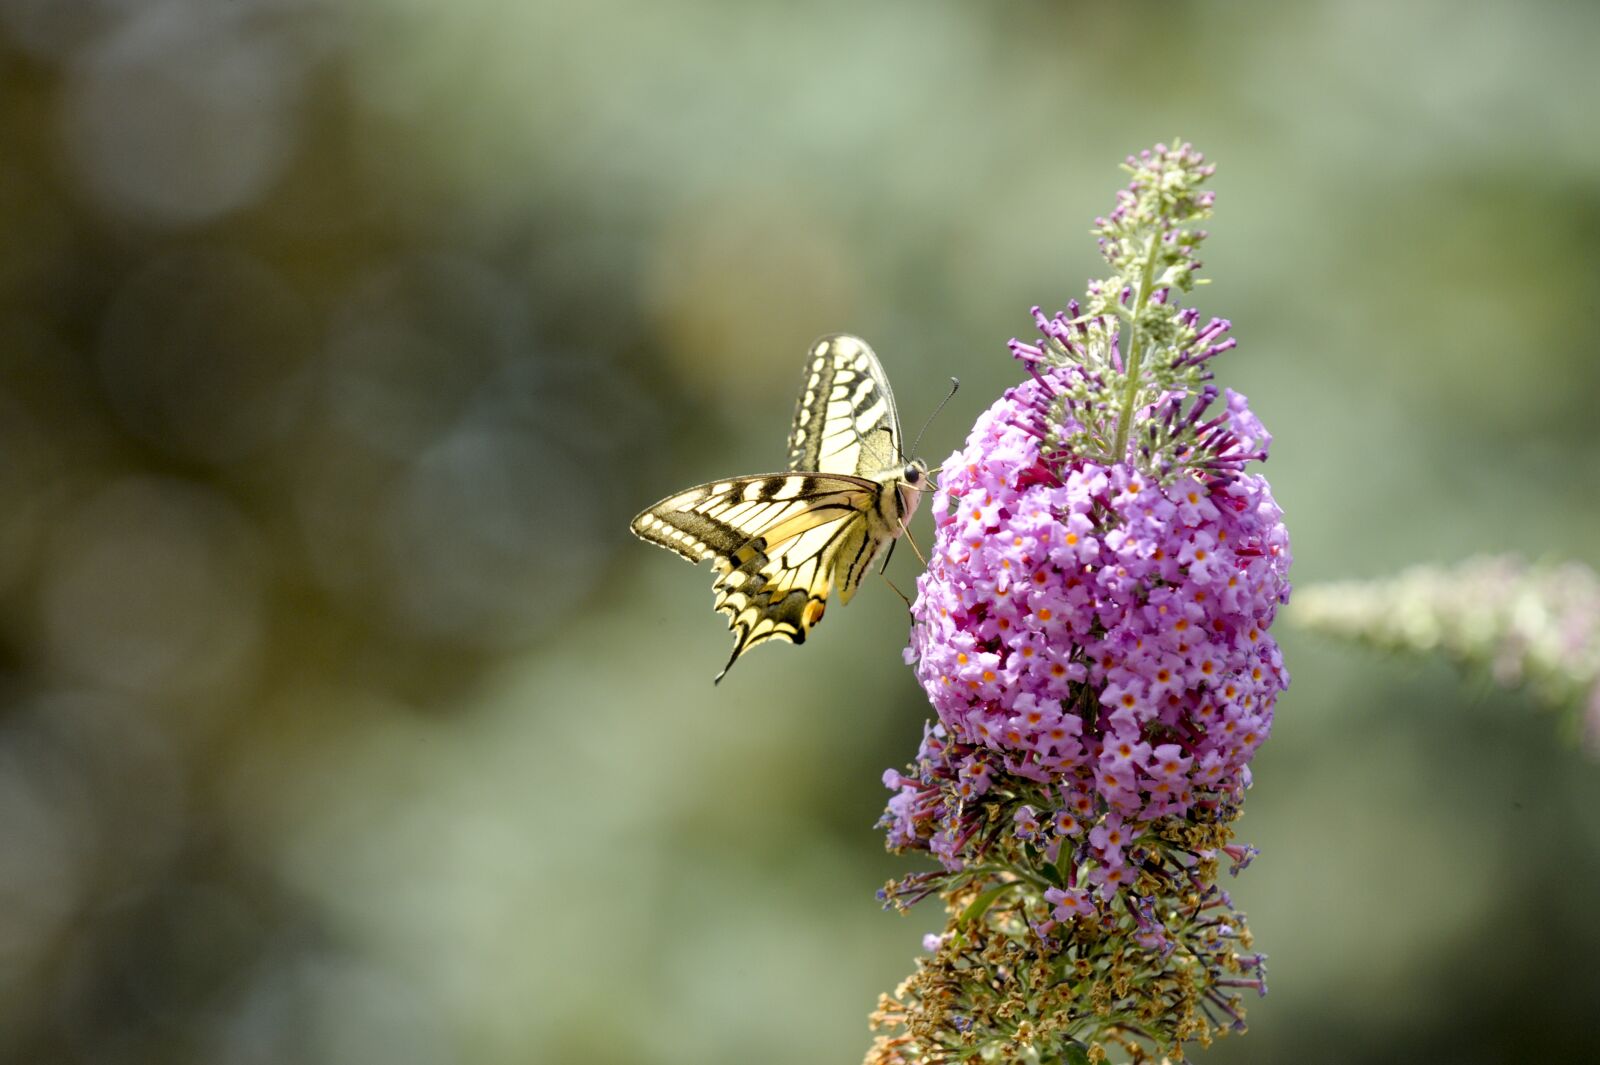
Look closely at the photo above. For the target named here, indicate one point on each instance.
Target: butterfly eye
(913, 474)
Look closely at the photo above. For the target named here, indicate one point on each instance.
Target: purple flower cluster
(1094, 631)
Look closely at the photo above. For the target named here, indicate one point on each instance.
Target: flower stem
(1022, 875)
(1119, 447)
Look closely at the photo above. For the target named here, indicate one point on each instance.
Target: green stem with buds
(1130, 395)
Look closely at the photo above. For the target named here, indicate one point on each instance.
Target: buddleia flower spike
(1526, 626)
(1092, 632)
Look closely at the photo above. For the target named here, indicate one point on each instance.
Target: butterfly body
(782, 542)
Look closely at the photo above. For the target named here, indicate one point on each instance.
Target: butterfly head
(913, 482)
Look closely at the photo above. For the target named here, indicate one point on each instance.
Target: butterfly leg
(912, 540)
(896, 591)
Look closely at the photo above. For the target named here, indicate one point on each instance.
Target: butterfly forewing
(844, 421)
(721, 519)
(782, 542)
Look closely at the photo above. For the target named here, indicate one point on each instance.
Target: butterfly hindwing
(782, 542)
(772, 539)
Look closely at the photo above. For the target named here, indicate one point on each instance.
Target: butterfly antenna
(955, 383)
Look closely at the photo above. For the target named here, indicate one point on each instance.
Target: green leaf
(980, 905)
(1075, 1054)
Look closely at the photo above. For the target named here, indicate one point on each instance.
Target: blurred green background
(344, 722)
